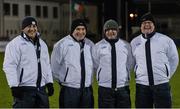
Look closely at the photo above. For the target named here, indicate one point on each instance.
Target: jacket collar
(111, 41)
(83, 40)
(148, 35)
(27, 38)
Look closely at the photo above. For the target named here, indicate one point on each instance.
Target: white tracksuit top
(65, 62)
(102, 61)
(164, 57)
(20, 63)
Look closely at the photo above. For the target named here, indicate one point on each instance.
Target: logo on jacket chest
(104, 50)
(137, 44)
(70, 45)
(103, 47)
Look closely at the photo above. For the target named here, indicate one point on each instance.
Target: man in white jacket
(113, 61)
(72, 67)
(156, 59)
(27, 68)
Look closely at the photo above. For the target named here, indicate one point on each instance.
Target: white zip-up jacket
(65, 62)
(102, 61)
(21, 64)
(164, 57)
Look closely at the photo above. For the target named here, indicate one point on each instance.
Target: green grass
(6, 98)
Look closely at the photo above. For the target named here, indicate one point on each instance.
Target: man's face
(31, 30)
(79, 33)
(111, 33)
(147, 27)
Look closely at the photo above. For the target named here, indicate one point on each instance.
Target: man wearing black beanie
(72, 67)
(27, 68)
(78, 22)
(156, 61)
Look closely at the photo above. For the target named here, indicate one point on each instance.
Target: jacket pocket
(21, 75)
(167, 72)
(99, 73)
(66, 74)
(135, 69)
(128, 75)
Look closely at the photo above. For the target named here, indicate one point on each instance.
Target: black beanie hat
(147, 16)
(77, 22)
(28, 21)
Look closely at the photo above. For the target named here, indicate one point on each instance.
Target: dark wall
(110, 9)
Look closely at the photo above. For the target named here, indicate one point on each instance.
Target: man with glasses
(113, 62)
(156, 59)
(27, 68)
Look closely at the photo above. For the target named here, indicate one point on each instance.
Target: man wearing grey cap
(27, 68)
(113, 62)
(72, 67)
(156, 61)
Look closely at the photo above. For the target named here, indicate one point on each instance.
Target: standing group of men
(75, 58)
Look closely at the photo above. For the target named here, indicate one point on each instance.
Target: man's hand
(16, 92)
(50, 89)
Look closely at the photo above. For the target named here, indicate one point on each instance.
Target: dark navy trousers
(76, 97)
(32, 98)
(158, 96)
(114, 98)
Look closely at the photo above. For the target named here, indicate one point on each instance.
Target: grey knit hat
(110, 24)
